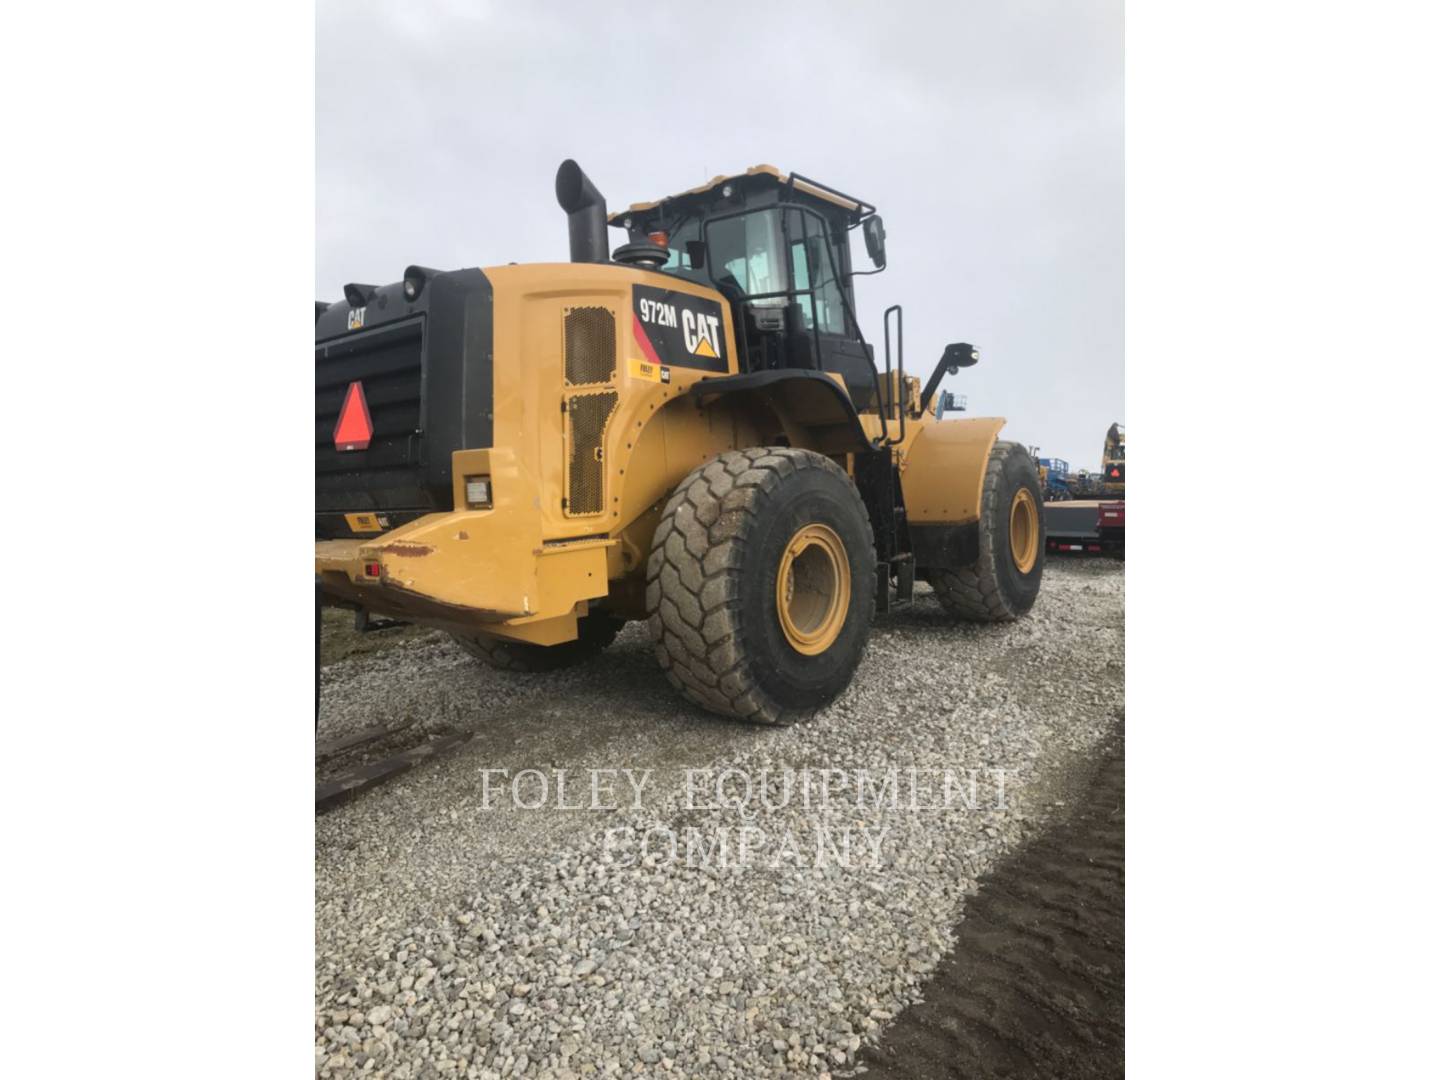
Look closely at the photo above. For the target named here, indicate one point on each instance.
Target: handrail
(893, 386)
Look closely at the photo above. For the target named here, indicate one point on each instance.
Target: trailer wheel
(1005, 580)
(597, 630)
(761, 584)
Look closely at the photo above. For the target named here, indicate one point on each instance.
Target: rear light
(357, 296)
(372, 569)
(416, 278)
(477, 492)
(660, 239)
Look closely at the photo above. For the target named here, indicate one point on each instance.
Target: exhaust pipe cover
(582, 201)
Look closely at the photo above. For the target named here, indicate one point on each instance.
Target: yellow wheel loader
(1112, 463)
(690, 430)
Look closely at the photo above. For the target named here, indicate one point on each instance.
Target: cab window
(679, 261)
(747, 253)
(814, 269)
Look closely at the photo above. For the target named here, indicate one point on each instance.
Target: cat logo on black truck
(676, 329)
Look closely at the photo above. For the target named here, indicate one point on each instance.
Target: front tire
(761, 584)
(1005, 580)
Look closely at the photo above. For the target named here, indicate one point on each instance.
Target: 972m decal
(677, 329)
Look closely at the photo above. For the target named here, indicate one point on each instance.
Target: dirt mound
(1035, 986)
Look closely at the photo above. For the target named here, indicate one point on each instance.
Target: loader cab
(778, 249)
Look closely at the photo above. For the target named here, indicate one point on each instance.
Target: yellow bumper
(472, 570)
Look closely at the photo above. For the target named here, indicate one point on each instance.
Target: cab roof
(858, 208)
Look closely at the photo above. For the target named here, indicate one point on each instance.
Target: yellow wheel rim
(812, 590)
(1024, 531)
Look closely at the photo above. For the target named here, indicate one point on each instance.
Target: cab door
(816, 264)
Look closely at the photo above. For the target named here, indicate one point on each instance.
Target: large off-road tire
(761, 584)
(597, 630)
(1005, 580)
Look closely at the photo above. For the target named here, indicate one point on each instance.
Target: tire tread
(975, 594)
(694, 570)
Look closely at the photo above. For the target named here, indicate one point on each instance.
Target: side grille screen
(589, 345)
(588, 416)
(388, 364)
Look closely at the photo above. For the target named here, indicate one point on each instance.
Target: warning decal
(353, 427)
(367, 523)
(676, 329)
(648, 372)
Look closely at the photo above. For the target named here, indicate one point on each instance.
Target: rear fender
(813, 409)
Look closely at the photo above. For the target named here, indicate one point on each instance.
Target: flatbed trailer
(1086, 526)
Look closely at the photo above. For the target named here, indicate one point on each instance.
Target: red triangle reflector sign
(353, 429)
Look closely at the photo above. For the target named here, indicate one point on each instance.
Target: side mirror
(695, 252)
(959, 355)
(874, 230)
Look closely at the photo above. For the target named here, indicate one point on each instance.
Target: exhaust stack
(586, 207)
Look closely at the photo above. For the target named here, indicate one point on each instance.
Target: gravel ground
(340, 641)
(455, 940)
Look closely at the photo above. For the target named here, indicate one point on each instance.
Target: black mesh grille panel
(589, 345)
(588, 414)
(386, 476)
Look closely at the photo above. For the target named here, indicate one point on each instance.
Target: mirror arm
(933, 383)
(946, 366)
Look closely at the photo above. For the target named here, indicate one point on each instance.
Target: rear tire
(1005, 580)
(597, 630)
(761, 584)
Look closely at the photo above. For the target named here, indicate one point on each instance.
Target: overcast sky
(989, 134)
